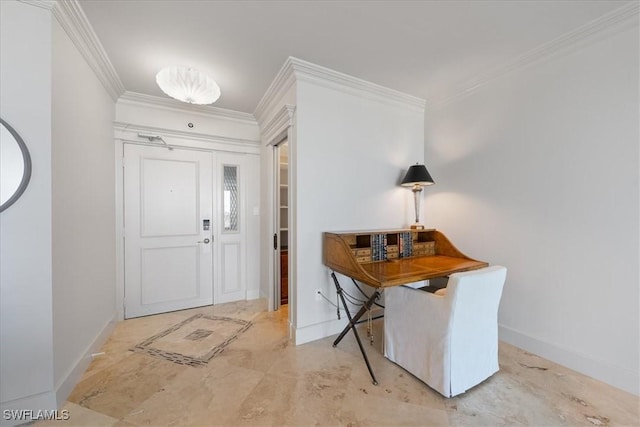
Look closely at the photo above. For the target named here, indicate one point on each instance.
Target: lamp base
(417, 227)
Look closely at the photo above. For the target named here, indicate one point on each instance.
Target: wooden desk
(385, 258)
(346, 253)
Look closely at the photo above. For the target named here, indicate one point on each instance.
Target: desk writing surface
(409, 270)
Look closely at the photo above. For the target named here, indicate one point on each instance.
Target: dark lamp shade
(417, 174)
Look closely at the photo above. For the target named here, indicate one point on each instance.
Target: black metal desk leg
(353, 321)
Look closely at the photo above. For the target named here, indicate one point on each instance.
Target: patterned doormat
(194, 341)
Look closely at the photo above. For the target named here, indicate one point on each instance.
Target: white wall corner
(281, 83)
(589, 33)
(44, 4)
(71, 378)
(318, 331)
(326, 77)
(72, 19)
(119, 222)
(616, 376)
(36, 402)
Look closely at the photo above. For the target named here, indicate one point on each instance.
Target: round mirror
(15, 166)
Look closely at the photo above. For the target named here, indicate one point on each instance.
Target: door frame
(129, 133)
(280, 127)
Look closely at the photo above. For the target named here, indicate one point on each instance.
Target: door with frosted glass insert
(168, 229)
(231, 256)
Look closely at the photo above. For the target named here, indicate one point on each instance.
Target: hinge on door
(275, 241)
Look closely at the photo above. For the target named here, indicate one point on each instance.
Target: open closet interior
(283, 203)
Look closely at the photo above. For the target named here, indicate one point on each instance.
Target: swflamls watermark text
(35, 415)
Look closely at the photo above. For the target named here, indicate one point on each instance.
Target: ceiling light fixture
(188, 85)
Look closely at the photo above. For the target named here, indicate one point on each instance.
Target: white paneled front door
(168, 198)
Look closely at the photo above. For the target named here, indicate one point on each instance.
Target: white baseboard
(319, 330)
(325, 329)
(35, 403)
(253, 294)
(68, 382)
(615, 376)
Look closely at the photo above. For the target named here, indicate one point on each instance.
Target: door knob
(205, 241)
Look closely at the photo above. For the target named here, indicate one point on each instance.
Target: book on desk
(383, 258)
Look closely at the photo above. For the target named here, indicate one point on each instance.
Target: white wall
(83, 182)
(538, 171)
(350, 143)
(177, 119)
(350, 154)
(26, 352)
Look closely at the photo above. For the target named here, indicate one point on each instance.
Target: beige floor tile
(377, 411)
(120, 388)
(574, 399)
(80, 416)
(198, 396)
(269, 403)
(262, 379)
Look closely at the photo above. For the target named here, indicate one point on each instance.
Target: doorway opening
(281, 267)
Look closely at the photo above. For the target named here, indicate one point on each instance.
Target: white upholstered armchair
(448, 341)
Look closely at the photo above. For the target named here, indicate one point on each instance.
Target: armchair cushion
(450, 342)
(441, 292)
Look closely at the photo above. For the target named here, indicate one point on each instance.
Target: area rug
(194, 341)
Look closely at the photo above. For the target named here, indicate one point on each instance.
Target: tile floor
(261, 379)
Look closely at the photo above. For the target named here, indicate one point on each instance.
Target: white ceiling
(430, 49)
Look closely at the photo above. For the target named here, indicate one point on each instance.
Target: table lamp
(417, 177)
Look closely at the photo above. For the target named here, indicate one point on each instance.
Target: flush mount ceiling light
(188, 85)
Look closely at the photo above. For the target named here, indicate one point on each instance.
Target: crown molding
(127, 132)
(306, 71)
(71, 17)
(281, 83)
(43, 4)
(295, 69)
(170, 104)
(278, 124)
(598, 29)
